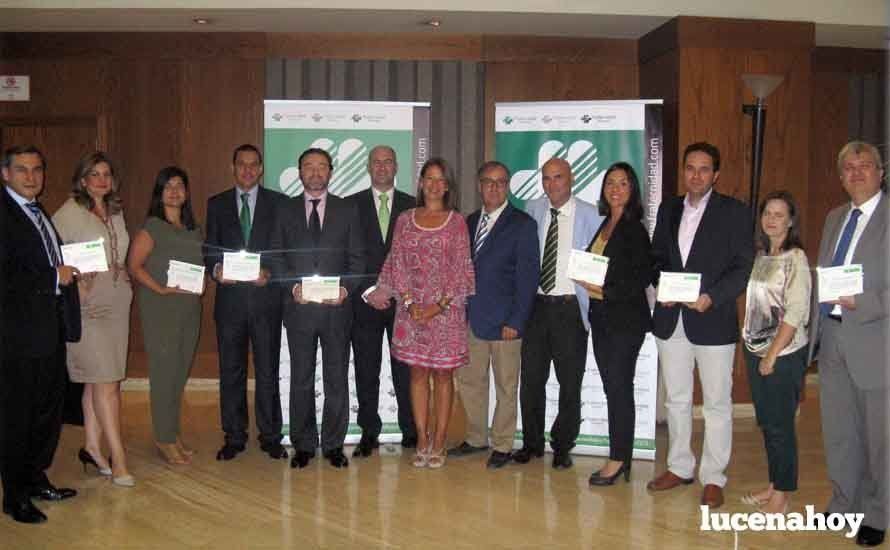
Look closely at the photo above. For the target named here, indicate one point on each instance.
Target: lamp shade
(762, 85)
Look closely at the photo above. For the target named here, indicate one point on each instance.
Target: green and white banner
(348, 130)
(591, 135)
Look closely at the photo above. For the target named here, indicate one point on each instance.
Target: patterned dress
(428, 265)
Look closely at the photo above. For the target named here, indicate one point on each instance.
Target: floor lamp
(761, 85)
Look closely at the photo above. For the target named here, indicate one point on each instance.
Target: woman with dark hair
(99, 360)
(170, 317)
(619, 312)
(430, 274)
(775, 336)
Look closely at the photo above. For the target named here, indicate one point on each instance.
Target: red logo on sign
(10, 81)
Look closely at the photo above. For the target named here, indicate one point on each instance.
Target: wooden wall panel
(545, 81)
(832, 69)
(659, 77)
(402, 46)
(829, 128)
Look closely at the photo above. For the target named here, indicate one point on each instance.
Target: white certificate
(679, 287)
(241, 266)
(319, 289)
(186, 276)
(587, 267)
(87, 257)
(842, 280)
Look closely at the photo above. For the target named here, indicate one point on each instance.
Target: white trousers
(678, 357)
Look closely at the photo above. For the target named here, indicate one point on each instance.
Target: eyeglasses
(490, 182)
(860, 167)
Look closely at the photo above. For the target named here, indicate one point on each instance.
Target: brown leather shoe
(712, 496)
(667, 480)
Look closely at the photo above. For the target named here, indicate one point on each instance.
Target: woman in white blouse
(775, 336)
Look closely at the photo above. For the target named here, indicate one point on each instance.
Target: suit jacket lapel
(230, 203)
(877, 225)
(260, 218)
(830, 239)
(676, 216)
(499, 225)
(369, 207)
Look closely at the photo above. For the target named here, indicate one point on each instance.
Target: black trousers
(367, 339)
(616, 351)
(307, 326)
(555, 333)
(33, 394)
(262, 329)
(775, 402)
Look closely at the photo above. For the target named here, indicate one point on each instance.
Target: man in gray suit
(850, 335)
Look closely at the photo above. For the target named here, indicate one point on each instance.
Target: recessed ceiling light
(434, 22)
(200, 21)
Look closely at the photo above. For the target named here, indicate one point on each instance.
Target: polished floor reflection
(383, 502)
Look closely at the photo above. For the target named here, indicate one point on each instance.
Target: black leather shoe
(596, 479)
(496, 460)
(48, 492)
(561, 461)
(276, 451)
(365, 448)
(523, 455)
(409, 442)
(465, 449)
(301, 459)
(337, 458)
(869, 536)
(24, 512)
(229, 451)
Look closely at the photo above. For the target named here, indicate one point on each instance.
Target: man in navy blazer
(707, 233)
(504, 246)
(243, 218)
(558, 327)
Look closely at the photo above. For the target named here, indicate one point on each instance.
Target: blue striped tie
(843, 246)
(481, 233)
(44, 232)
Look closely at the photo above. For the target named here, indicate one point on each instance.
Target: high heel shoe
(596, 479)
(422, 456)
(86, 458)
(124, 481)
(436, 460)
(751, 500)
(187, 451)
(171, 454)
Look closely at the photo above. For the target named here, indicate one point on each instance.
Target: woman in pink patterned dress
(430, 274)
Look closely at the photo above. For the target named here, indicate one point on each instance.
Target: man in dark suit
(320, 235)
(707, 233)
(243, 218)
(851, 337)
(504, 244)
(41, 311)
(378, 209)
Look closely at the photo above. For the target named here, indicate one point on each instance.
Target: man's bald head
(557, 180)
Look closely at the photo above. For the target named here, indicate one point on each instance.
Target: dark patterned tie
(551, 244)
(843, 246)
(315, 222)
(44, 232)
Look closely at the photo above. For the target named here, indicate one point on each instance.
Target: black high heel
(86, 458)
(599, 480)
